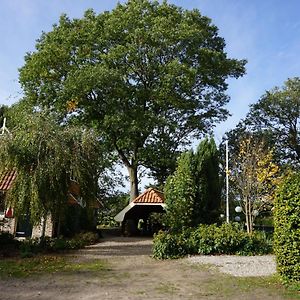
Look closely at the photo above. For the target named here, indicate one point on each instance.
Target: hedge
(287, 229)
(210, 239)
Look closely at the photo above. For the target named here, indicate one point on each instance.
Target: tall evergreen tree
(193, 192)
(207, 182)
(180, 194)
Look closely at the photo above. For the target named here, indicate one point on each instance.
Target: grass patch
(45, 265)
(229, 286)
(167, 288)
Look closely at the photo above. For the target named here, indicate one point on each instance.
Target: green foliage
(112, 205)
(31, 247)
(7, 240)
(180, 194)
(210, 240)
(171, 245)
(149, 76)
(207, 183)
(275, 118)
(287, 229)
(3, 113)
(193, 192)
(47, 155)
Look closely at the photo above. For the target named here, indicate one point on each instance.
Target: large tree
(143, 74)
(276, 119)
(46, 156)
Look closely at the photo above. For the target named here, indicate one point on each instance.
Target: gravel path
(240, 266)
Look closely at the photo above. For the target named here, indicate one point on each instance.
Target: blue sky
(265, 32)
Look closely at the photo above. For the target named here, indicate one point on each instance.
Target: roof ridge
(155, 196)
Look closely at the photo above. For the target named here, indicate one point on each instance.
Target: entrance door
(24, 227)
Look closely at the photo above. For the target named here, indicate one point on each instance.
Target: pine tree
(207, 182)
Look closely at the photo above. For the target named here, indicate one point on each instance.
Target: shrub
(180, 194)
(210, 239)
(169, 245)
(8, 245)
(30, 247)
(287, 229)
(7, 239)
(87, 238)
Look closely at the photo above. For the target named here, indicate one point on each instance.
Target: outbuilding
(139, 211)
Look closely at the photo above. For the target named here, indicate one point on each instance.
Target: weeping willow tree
(46, 155)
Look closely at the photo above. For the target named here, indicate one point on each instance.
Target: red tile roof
(150, 196)
(6, 180)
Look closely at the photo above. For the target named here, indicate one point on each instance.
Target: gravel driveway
(240, 266)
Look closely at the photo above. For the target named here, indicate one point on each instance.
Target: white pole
(227, 184)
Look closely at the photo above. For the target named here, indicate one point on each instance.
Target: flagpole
(227, 184)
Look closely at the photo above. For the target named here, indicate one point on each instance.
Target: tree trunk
(250, 217)
(132, 171)
(247, 215)
(134, 191)
(44, 220)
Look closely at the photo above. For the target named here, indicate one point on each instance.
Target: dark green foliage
(207, 183)
(275, 119)
(7, 240)
(31, 247)
(149, 76)
(112, 205)
(28, 248)
(3, 114)
(210, 239)
(193, 192)
(171, 245)
(287, 229)
(180, 194)
(47, 155)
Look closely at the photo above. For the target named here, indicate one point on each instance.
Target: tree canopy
(145, 74)
(275, 118)
(46, 156)
(254, 177)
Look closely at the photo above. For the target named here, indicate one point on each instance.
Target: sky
(265, 32)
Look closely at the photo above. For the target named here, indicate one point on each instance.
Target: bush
(168, 245)
(210, 239)
(8, 245)
(287, 229)
(30, 247)
(7, 239)
(80, 240)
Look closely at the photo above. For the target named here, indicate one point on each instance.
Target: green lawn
(45, 264)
